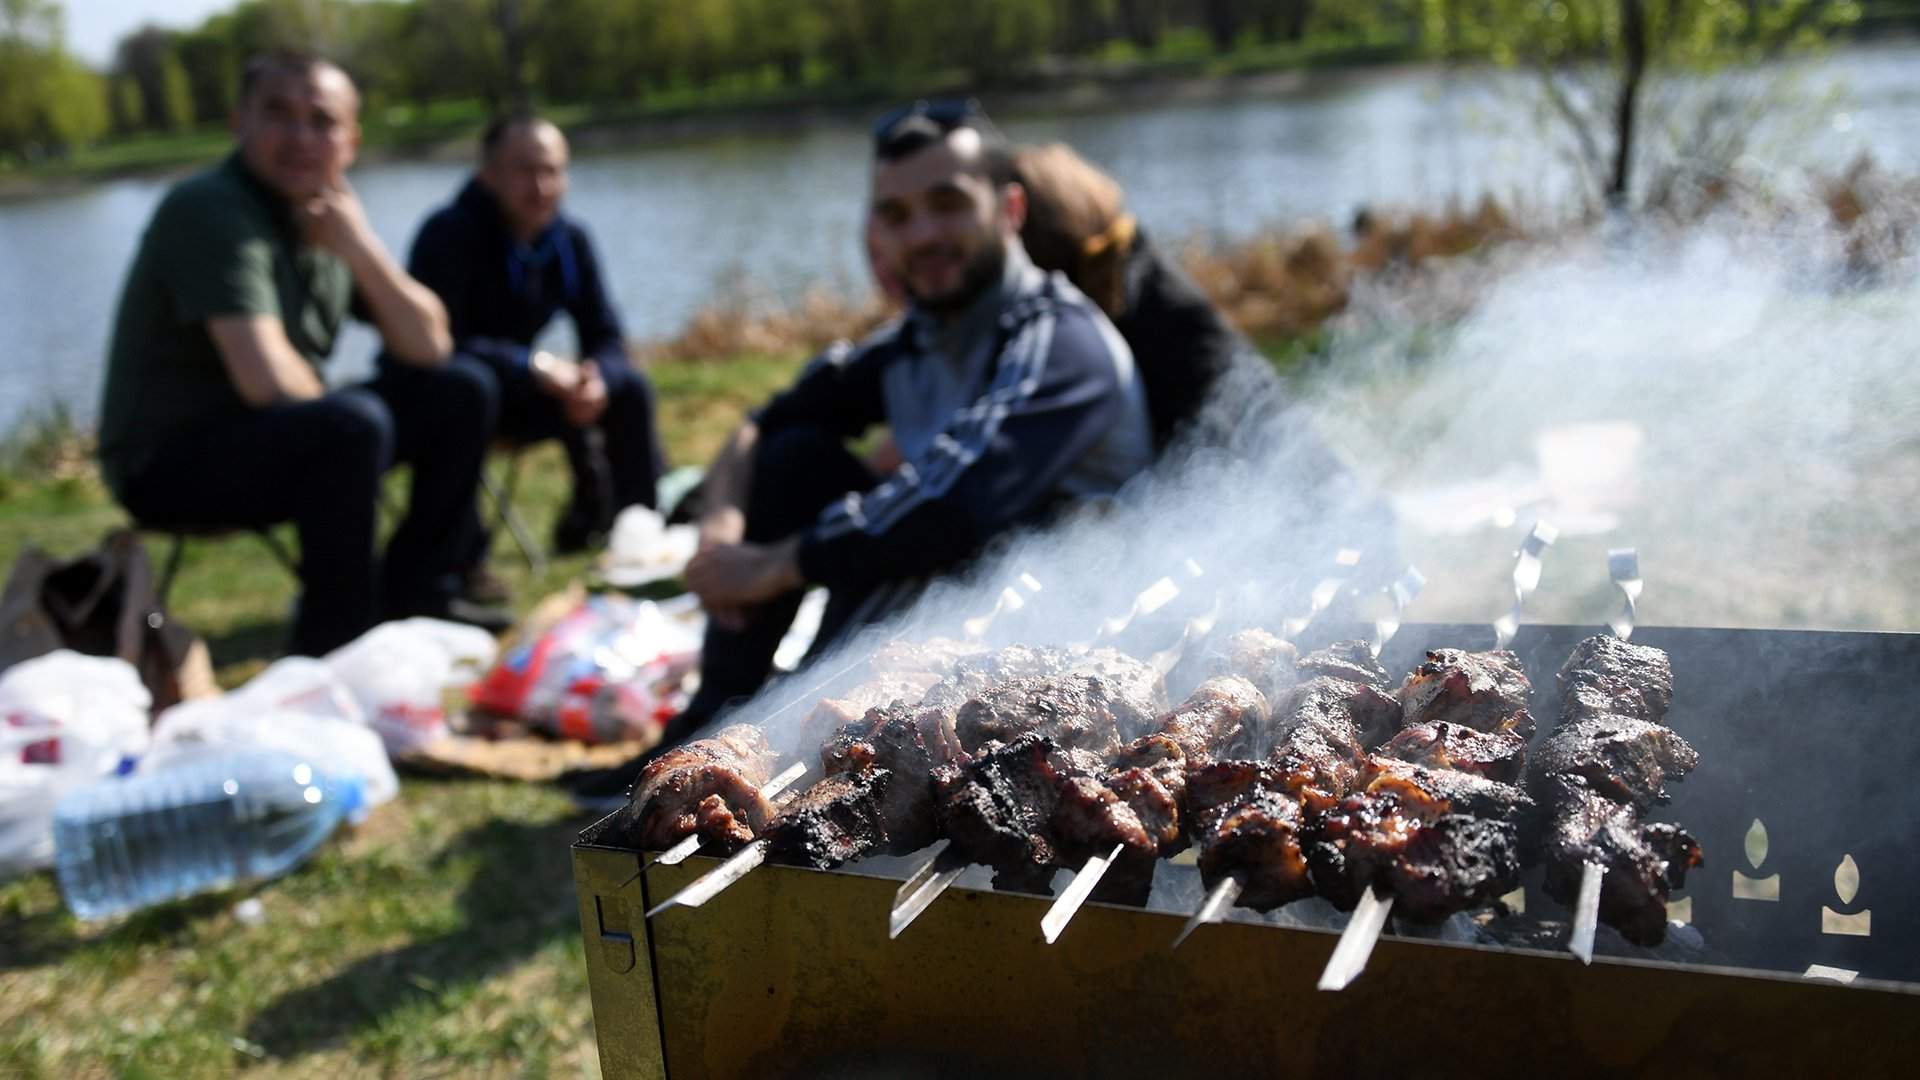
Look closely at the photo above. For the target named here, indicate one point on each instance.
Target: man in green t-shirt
(214, 412)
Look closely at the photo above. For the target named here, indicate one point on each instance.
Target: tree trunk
(1633, 42)
(1223, 23)
(513, 48)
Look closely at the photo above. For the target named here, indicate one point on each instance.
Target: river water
(779, 212)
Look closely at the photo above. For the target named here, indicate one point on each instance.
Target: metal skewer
(1623, 566)
(1401, 592)
(1213, 908)
(1586, 912)
(1324, 593)
(1075, 894)
(1526, 577)
(918, 892)
(715, 881)
(1349, 957)
(691, 842)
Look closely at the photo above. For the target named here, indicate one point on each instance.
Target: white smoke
(1726, 398)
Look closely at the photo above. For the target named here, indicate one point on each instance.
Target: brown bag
(102, 604)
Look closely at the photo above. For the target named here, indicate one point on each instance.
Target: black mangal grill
(1802, 957)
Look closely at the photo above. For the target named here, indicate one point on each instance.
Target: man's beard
(983, 272)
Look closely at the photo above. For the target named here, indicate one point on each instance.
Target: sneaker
(602, 791)
(483, 586)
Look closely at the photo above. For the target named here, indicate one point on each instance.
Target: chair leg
(173, 567)
(279, 551)
(506, 515)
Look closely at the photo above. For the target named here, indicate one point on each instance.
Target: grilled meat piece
(1350, 660)
(1498, 756)
(1617, 671)
(837, 820)
(997, 806)
(1136, 802)
(830, 714)
(1438, 840)
(1077, 712)
(710, 786)
(1486, 691)
(909, 741)
(1347, 716)
(1246, 819)
(1261, 658)
(1620, 758)
(1643, 863)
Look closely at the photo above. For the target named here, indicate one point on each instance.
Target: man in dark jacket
(505, 260)
(1006, 391)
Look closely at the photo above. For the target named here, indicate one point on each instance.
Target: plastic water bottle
(232, 817)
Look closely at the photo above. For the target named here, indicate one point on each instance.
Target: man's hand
(555, 376)
(335, 221)
(589, 397)
(741, 575)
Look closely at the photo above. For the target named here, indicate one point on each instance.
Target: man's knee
(468, 393)
(354, 427)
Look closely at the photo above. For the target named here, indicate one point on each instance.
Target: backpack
(102, 604)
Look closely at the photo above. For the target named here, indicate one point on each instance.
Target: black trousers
(796, 473)
(616, 464)
(318, 464)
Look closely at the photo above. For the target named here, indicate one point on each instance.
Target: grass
(440, 939)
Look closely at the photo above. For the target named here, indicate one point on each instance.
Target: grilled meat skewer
(1603, 767)
(710, 787)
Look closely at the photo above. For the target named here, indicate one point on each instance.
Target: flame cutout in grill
(1750, 886)
(1846, 885)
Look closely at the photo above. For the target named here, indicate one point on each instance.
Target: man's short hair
(262, 66)
(904, 131)
(506, 124)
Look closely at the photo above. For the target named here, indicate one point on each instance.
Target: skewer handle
(1526, 578)
(1623, 566)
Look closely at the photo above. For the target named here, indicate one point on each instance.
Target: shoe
(483, 586)
(493, 618)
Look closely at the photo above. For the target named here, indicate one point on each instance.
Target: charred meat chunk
(1644, 863)
(837, 820)
(1347, 716)
(997, 807)
(1245, 819)
(1485, 691)
(1498, 756)
(710, 786)
(1084, 712)
(1350, 660)
(1618, 670)
(909, 741)
(1437, 840)
(1619, 757)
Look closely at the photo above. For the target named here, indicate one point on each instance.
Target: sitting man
(1007, 393)
(214, 414)
(505, 260)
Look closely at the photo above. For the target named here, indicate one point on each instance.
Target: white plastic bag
(642, 548)
(297, 705)
(66, 721)
(400, 673)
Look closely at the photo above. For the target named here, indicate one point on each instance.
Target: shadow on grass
(264, 641)
(518, 900)
(47, 937)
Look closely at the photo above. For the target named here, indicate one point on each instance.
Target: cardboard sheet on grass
(585, 681)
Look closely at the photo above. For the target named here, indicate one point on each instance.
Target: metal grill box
(1805, 910)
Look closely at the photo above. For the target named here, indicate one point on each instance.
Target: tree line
(625, 53)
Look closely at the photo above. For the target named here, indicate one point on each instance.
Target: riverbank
(1183, 68)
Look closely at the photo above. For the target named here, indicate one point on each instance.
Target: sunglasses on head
(946, 114)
